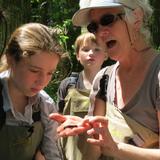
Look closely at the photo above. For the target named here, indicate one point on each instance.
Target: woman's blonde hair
(28, 40)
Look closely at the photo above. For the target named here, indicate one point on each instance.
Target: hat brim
(81, 17)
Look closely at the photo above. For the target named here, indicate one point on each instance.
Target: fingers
(94, 131)
(72, 128)
(99, 119)
(65, 132)
(67, 125)
(95, 141)
(71, 131)
(73, 125)
(70, 125)
(57, 117)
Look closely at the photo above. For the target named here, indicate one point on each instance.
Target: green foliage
(155, 23)
(63, 30)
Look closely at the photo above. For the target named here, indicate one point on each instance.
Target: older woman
(132, 84)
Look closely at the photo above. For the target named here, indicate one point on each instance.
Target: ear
(77, 56)
(139, 15)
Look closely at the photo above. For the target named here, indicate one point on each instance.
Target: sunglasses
(105, 20)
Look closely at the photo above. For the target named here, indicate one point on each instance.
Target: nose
(102, 33)
(91, 52)
(42, 80)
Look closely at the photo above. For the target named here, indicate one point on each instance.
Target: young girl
(31, 57)
(74, 91)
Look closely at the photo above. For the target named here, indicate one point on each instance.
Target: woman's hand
(70, 125)
(100, 135)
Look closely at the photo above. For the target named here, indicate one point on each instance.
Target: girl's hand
(70, 125)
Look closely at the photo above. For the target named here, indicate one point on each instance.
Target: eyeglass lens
(104, 21)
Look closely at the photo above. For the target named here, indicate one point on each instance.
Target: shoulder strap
(36, 116)
(104, 83)
(73, 79)
(2, 112)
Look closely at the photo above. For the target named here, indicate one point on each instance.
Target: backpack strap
(2, 112)
(69, 82)
(72, 80)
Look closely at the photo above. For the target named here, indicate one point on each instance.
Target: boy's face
(91, 55)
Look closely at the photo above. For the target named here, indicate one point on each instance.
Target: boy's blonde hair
(83, 39)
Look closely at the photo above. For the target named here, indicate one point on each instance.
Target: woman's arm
(99, 107)
(93, 94)
(118, 150)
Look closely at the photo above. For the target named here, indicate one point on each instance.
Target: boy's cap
(81, 17)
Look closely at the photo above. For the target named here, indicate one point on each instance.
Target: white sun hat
(81, 17)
